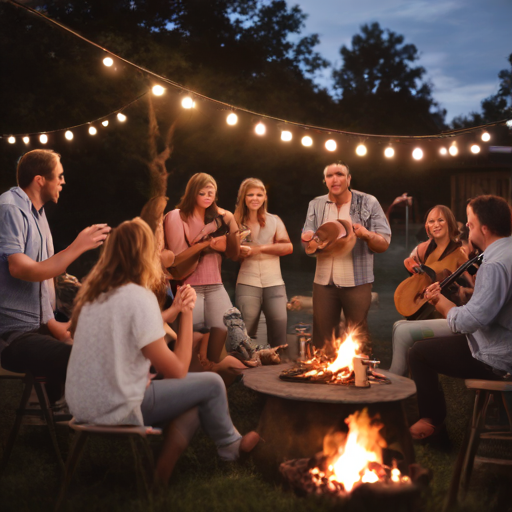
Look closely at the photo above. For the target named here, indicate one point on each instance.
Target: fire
(356, 458)
(346, 352)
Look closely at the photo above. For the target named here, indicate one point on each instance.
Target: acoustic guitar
(410, 298)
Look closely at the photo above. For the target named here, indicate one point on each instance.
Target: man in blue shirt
(481, 346)
(30, 337)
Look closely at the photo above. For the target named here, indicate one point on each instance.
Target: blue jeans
(165, 400)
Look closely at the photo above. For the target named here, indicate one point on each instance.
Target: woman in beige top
(260, 285)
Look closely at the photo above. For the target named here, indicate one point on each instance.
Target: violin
(410, 298)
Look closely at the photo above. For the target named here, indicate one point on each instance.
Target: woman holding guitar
(198, 232)
(442, 254)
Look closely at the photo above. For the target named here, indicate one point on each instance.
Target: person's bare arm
(376, 242)
(60, 330)
(25, 268)
(277, 249)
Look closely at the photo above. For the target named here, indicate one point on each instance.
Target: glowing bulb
(121, 117)
(43, 139)
(453, 150)
(92, 130)
(286, 136)
(104, 123)
(260, 129)
(307, 141)
(443, 151)
(509, 123)
(26, 140)
(475, 148)
(108, 61)
(69, 135)
(11, 140)
(486, 137)
(158, 90)
(232, 119)
(389, 152)
(361, 150)
(330, 145)
(188, 102)
(417, 154)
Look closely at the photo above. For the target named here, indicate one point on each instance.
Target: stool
(132, 432)
(477, 430)
(45, 412)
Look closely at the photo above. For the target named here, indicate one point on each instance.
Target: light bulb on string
(361, 150)
(104, 123)
(69, 135)
(26, 140)
(389, 152)
(443, 151)
(232, 119)
(121, 117)
(475, 149)
(509, 123)
(107, 61)
(486, 136)
(453, 150)
(417, 154)
(286, 136)
(307, 141)
(188, 102)
(330, 145)
(11, 140)
(260, 129)
(158, 90)
(43, 138)
(92, 130)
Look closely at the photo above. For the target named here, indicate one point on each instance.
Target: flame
(347, 350)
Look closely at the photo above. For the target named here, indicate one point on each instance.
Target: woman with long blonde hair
(260, 285)
(118, 334)
(193, 221)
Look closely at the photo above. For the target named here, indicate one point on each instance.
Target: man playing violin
(480, 346)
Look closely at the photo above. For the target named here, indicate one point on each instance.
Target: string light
(92, 130)
(69, 135)
(417, 154)
(330, 145)
(389, 152)
(475, 149)
(443, 151)
(26, 140)
(232, 119)
(361, 150)
(453, 150)
(107, 61)
(509, 123)
(286, 136)
(188, 102)
(260, 129)
(104, 123)
(121, 117)
(486, 137)
(11, 140)
(307, 141)
(158, 90)
(43, 138)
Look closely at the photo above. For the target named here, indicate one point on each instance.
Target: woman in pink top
(260, 285)
(191, 220)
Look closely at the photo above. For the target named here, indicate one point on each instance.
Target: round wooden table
(297, 416)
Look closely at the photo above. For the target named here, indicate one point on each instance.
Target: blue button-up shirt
(24, 306)
(487, 318)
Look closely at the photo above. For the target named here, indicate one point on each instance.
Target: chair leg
(17, 424)
(48, 416)
(144, 484)
(74, 456)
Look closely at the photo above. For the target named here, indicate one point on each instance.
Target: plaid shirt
(364, 210)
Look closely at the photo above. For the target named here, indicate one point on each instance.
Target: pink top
(208, 268)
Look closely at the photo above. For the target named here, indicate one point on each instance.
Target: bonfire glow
(346, 352)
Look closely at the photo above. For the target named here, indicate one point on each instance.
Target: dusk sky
(463, 43)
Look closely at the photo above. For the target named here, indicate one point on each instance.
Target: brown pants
(329, 301)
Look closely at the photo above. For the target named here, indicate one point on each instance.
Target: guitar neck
(457, 273)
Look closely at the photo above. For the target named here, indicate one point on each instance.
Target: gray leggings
(211, 304)
(251, 300)
(167, 399)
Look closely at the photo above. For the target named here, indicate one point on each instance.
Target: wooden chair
(477, 429)
(44, 411)
(132, 432)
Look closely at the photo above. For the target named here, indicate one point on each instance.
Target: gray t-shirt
(107, 372)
